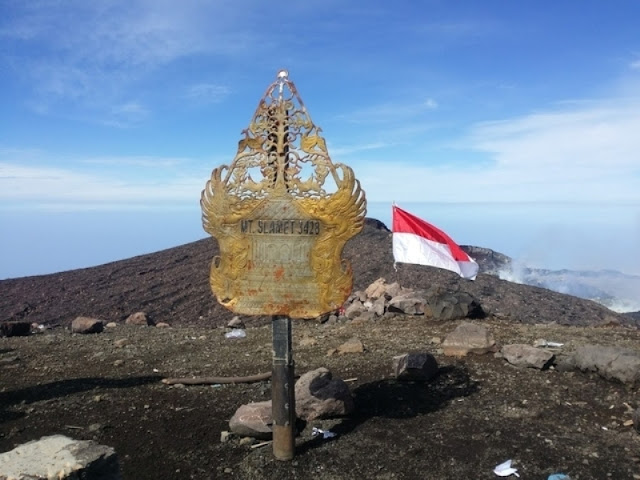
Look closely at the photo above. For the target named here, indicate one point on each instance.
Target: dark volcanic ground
(478, 412)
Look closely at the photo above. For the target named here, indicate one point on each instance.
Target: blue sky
(510, 125)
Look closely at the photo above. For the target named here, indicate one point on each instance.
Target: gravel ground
(478, 412)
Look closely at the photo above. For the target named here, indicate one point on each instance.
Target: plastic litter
(505, 470)
(559, 476)
(236, 333)
(545, 343)
(325, 433)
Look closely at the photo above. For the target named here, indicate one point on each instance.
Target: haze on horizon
(511, 126)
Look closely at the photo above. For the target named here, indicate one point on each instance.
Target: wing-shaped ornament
(282, 213)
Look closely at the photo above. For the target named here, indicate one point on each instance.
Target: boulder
(235, 322)
(415, 366)
(253, 420)
(353, 345)
(468, 338)
(139, 318)
(364, 317)
(86, 325)
(522, 355)
(60, 457)
(612, 363)
(454, 305)
(319, 395)
(376, 289)
(408, 303)
(393, 290)
(15, 329)
(379, 305)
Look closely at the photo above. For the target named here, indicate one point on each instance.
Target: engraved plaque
(282, 213)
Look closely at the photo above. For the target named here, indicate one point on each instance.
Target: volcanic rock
(253, 420)
(522, 355)
(319, 395)
(468, 338)
(415, 366)
(60, 457)
(87, 325)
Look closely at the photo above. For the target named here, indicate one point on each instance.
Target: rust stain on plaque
(282, 213)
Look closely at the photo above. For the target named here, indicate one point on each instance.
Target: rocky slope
(172, 286)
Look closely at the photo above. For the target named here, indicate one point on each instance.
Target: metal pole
(282, 390)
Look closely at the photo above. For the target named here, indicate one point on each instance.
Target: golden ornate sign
(282, 213)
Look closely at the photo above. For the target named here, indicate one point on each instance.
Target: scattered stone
(139, 318)
(360, 295)
(324, 318)
(62, 458)
(253, 420)
(364, 317)
(121, 342)
(111, 325)
(376, 290)
(354, 310)
(409, 303)
(454, 306)
(379, 306)
(15, 329)
(353, 345)
(612, 363)
(393, 289)
(246, 441)
(225, 436)
(117, 363)
(468, 338)
(435, 340)
(235, 322)
(162, 325)
(86, 325)
(522, 355)
(415, 366)
(319, 395)
(94, 427)
(331, 352)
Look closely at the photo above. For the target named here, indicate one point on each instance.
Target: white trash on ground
(505, 470)
(325, 433)
(236, 333)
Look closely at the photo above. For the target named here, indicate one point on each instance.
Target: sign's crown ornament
(282, 213)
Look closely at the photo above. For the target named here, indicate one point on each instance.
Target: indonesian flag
(416, 241)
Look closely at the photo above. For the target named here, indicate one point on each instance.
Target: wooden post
(282, 390)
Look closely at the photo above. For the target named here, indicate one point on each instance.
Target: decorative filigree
(282, 171)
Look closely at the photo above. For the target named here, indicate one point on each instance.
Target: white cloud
(91, 55)
(68, 189)
(430, 104)
(207, 92)
(583, 152)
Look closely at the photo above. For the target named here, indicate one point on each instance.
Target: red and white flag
(416, 241)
